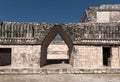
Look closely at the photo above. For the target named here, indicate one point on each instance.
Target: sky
(51, 11)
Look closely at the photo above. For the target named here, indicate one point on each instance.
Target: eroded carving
(41, 30)
(35, 33)
(92, 31)
(23, 33)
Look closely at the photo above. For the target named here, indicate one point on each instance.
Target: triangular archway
(57, 29)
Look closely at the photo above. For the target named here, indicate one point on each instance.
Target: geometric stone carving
(80, 33)
(92, 31)
(41, 30)
(23, 33)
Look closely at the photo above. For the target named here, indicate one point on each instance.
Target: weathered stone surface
(102, 14)
(87, 57)
(80, 33)
(24, 56)
(58, 71)
(61, 78)
(23, 33)
(110, 7)
(93, 33)
(57, 50)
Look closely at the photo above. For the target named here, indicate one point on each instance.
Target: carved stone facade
(92, 44)
(23, 33)
(88, 32)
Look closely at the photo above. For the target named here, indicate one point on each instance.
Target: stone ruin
(91, 46)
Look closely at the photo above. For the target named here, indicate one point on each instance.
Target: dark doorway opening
(106, 56)
(5, 56)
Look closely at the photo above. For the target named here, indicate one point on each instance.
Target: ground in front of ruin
(61, 78)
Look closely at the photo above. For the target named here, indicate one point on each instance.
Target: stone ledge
(59, 71)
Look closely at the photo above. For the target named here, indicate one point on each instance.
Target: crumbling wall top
(110, 7)
(102, 14)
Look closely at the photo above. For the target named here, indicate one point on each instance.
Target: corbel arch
(57, 29)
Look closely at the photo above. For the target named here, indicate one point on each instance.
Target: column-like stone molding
(119, 56)
(99, 56)
(73, 56)
(115, 57)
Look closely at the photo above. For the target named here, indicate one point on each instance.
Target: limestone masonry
(93, 44)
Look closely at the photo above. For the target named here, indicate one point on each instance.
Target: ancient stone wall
(23, 33)
(103, 17)
(108, 17)
(115, 60)
(79, 33)
(57, 50)
(93, 33)
(87, 56)
(92, 57)
(102, 14)
(24, 56)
